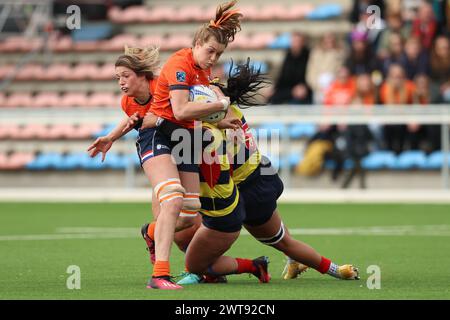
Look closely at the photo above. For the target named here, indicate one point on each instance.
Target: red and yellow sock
(245, 266)
(324, 265)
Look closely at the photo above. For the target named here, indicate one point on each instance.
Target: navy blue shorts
(260, 196)
(232, 222)
(152, 142)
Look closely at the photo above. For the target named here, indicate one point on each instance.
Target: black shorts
(152, 142)
(260, 195)
(232, 222)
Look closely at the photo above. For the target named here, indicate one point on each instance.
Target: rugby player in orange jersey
(136, 75)
(176, 185)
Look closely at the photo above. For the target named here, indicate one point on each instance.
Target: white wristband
(225, 104)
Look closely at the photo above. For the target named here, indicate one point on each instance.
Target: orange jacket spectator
(342, 90)
(397, 89)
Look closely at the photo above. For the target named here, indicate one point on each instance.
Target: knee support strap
(275, 239)
(191, 205)
(168, 190)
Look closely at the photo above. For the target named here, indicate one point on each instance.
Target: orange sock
(151, 230)
(161, 268)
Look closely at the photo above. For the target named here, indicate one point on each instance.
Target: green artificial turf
(413, 266)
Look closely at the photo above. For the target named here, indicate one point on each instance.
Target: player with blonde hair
(176, 186)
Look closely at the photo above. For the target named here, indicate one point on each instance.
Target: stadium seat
(325, 11)
(3, 160)
(249, 11)
(132, 135)
(102, 99)
(92, 32)
(151, 40)
(298, 11)
(188, 13)
(176, 41)
(45, 161)
(85, 131)
(60, 131)
(115, 14)
(56, 71)
(86, 162)
(10, 131)
(2, 100)
(32, 131)
(161, 13)
(260, 40)
(118, 42)
(104, 131)
(115, 161)
(105, 72)
(268, 128)
(73, 99)
(21, 99)
(46, 99)
(436, 159)
(19, 160)
(61, 44)
(412, 159)
(70, 161)
(301, 130)
(283, 41)
(83, 71)
(377, 160)
(6, 129)
(240, 41)
(294, 158)
(208, 12)
(6, 70)
(131, 14)
(30, 72)
(273, 11)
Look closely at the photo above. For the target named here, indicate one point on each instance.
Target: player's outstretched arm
(103, 144)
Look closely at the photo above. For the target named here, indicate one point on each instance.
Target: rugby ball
(204, 94)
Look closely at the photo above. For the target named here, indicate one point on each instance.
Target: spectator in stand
(440, 61)
(396, 89)
(395, 52)
(414, 59)
(359, 137)
(369, 20)
(323, 64)
(340, 93)
(291, 86)
(425, 26)
(395, 24)
(426, 137)
(445, 93)
(342, 90)
(361, 58)
(360, 7)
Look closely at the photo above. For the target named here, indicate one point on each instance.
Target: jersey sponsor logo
(161, 146)
(181, 76)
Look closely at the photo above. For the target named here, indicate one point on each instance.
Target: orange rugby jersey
(178, 73)
(130, 106)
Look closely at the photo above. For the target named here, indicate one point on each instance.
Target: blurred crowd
(397, 54)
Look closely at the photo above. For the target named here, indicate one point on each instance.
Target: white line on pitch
(115, 233)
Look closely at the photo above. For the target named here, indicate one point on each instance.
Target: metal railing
(286, 114)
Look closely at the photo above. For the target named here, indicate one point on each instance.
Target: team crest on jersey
(181, 76)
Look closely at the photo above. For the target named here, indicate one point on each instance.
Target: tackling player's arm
(230, 121)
